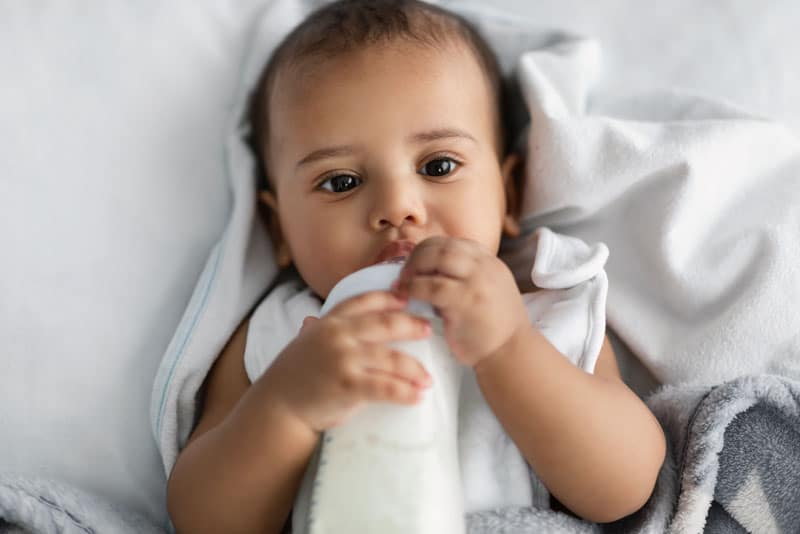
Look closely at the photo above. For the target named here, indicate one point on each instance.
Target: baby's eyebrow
(440, 133)
(324, 153)
(419, 137)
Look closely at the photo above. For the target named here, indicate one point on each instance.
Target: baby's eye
(340, 183)
(439, 167)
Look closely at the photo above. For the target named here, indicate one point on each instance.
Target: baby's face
(387, 144)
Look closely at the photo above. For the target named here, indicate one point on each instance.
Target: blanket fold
(42, 505)
(738, 449)
(733, 465)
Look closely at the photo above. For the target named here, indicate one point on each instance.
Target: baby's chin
(322, 289)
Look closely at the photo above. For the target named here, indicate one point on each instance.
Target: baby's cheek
(323, 266)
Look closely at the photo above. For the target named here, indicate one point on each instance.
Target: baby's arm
(589, 438)
(244, 462)
(592, 442)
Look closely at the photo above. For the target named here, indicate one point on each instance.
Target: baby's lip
(395, 250)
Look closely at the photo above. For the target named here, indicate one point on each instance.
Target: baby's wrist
(498, 358)
(276, 401)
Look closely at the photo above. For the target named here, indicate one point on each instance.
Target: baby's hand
(339, 362)
(473, 290)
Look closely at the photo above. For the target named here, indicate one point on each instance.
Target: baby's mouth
(396, 259)
(395, 251)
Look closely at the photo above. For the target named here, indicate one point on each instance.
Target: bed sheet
(736, 50)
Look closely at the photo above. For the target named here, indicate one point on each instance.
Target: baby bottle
(391, 468)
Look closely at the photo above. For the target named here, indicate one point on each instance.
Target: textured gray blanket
(38, 505)
(733, 465)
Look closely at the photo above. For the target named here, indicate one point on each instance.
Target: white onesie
(569, 310)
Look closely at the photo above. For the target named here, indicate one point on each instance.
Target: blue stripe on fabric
(179, 353)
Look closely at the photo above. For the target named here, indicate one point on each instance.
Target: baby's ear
(269, 209)
(513, 170)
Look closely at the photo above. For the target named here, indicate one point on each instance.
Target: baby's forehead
(302, 69)
(299, 79)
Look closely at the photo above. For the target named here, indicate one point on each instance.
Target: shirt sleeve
(275, 323)
(569, 306)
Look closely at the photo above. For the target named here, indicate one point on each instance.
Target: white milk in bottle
(390, 468)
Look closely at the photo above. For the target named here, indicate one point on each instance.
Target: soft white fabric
(734, 50)
(237, 271)
(569, 310)
(699, 203)
(276, 324)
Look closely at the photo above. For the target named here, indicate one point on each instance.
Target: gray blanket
(733, 465)
(39, 505)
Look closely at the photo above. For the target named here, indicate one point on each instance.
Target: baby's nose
(398, 203)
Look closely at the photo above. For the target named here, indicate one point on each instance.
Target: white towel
(698, 201)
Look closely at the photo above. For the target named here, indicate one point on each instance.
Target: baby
(381, 135)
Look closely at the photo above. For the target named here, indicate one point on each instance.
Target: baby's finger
(385, 326)
(454, 258)
(441, 292)
(308, 321)
(385, 360)
(368, 302)
(378, 387)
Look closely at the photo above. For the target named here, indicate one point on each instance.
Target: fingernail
(424, 382)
